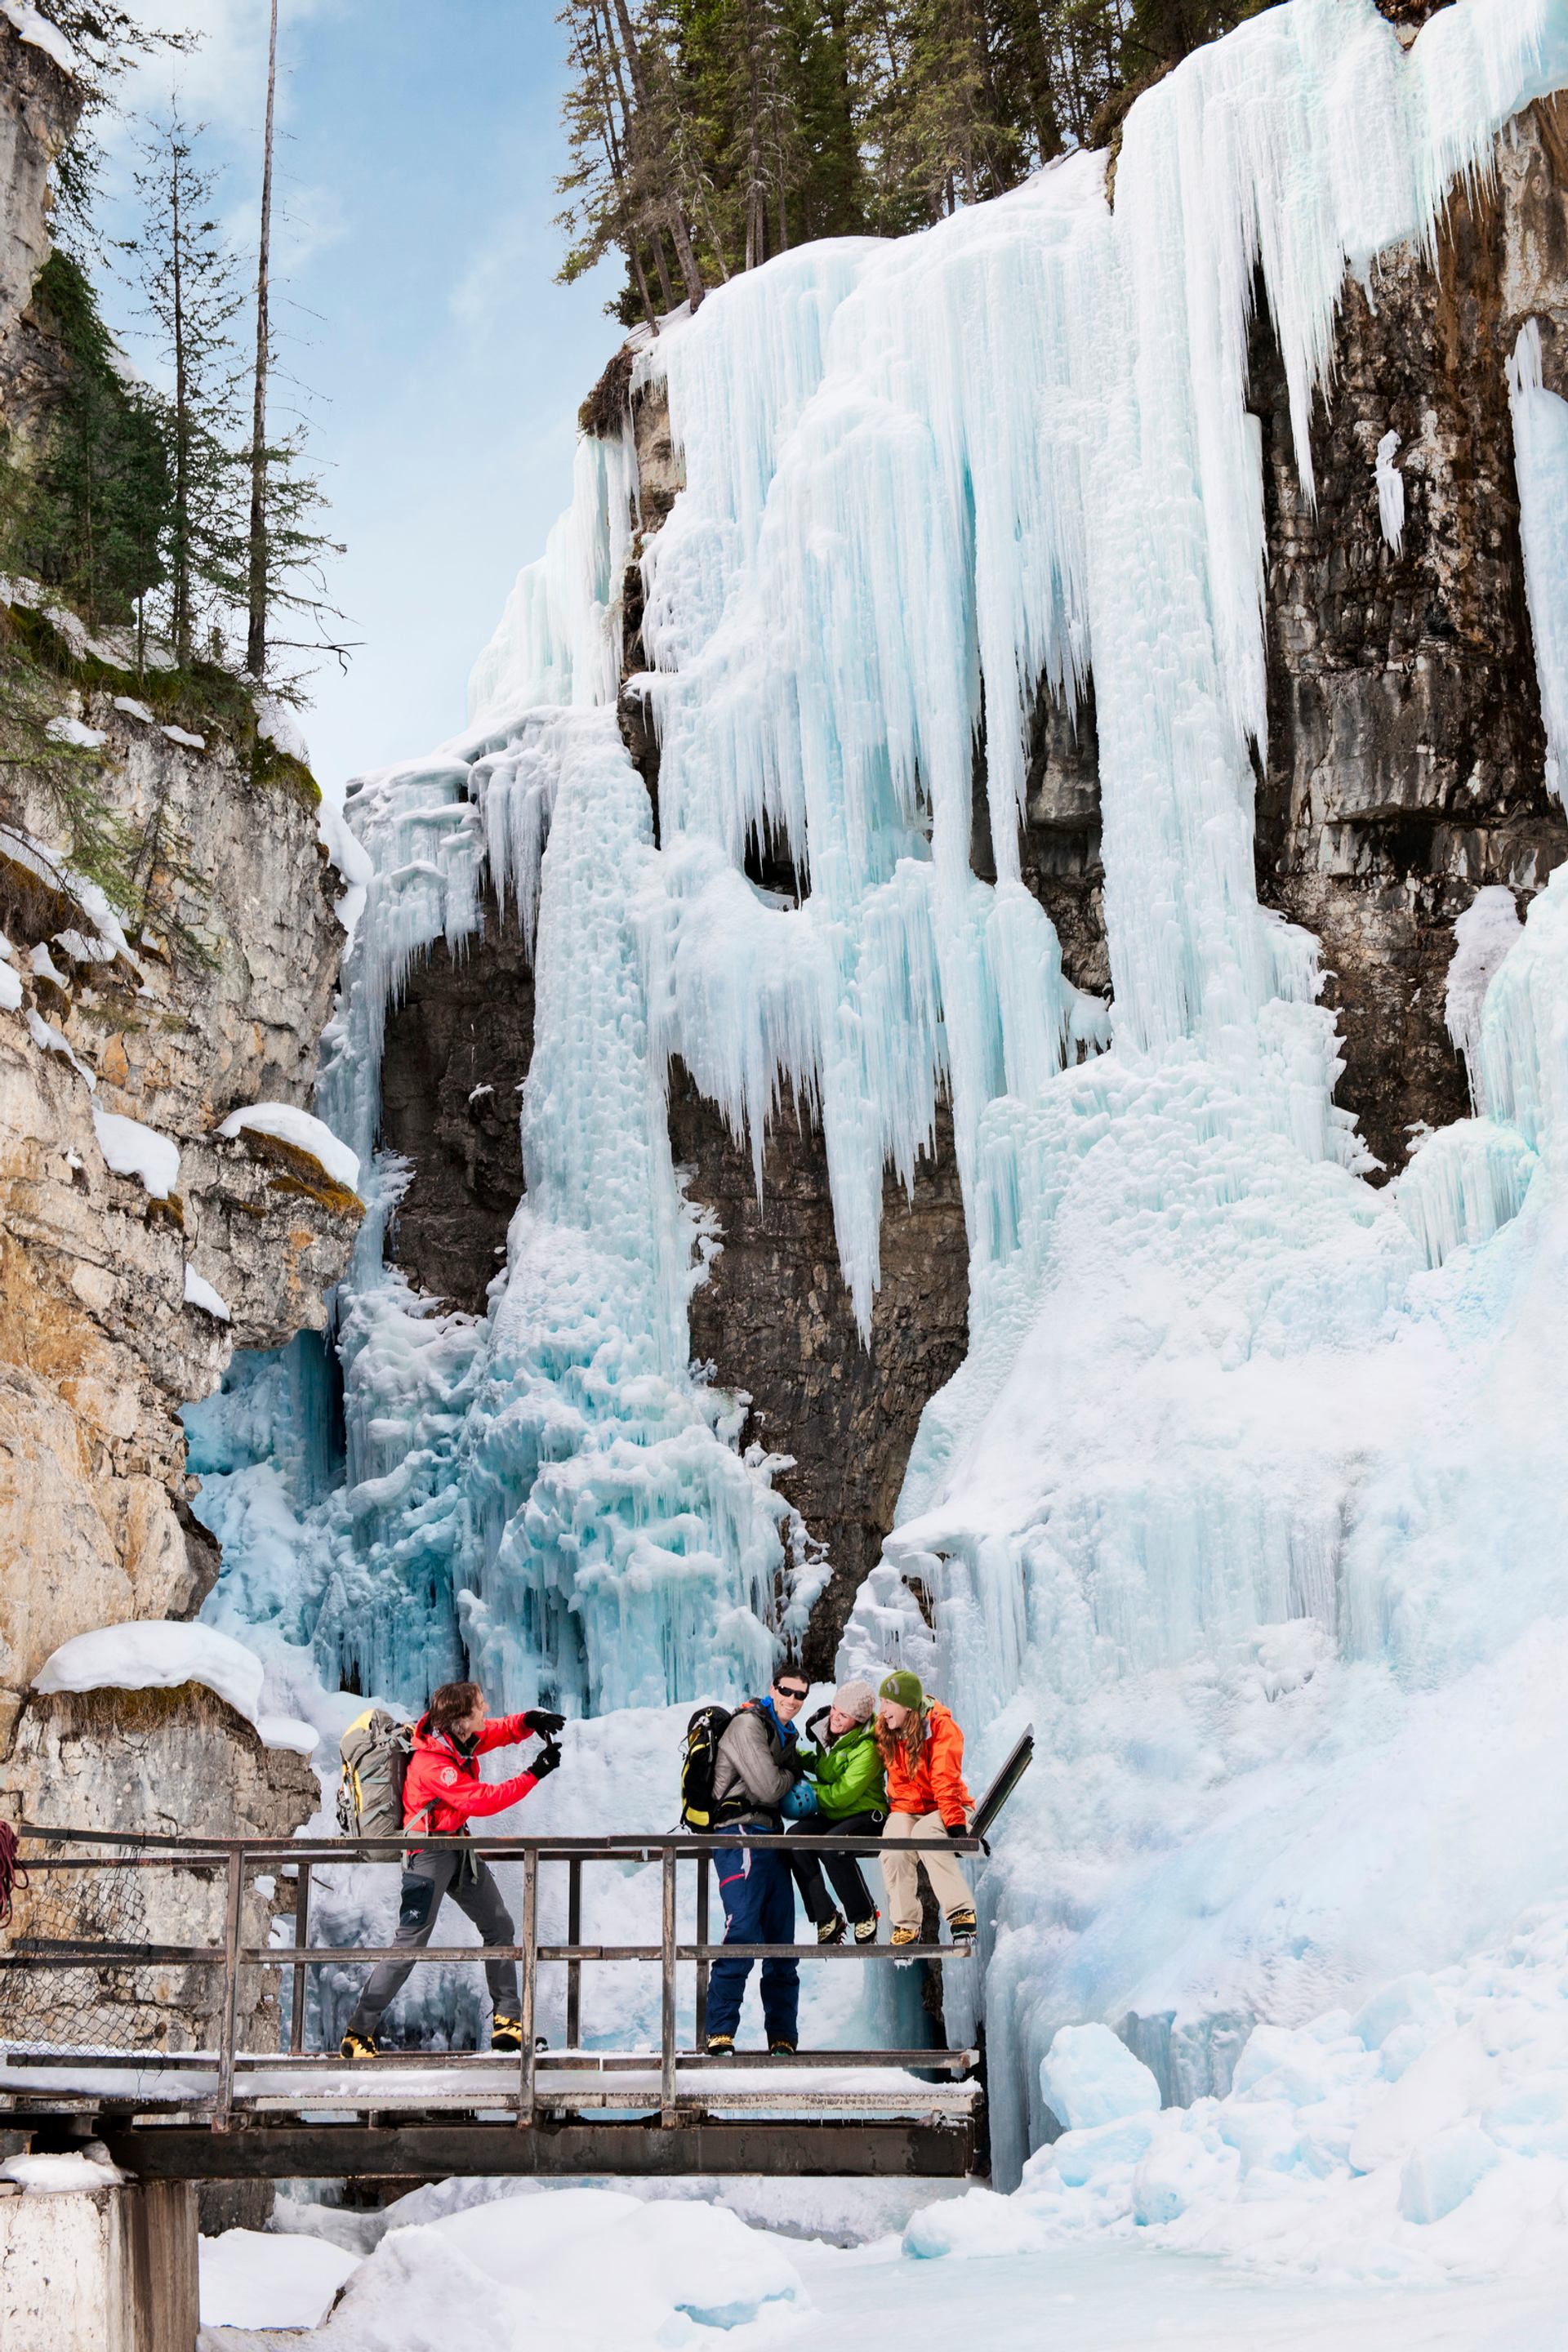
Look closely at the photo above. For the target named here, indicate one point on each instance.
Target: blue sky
(417, 167)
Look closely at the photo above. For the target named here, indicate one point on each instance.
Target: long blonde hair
(910, 1736)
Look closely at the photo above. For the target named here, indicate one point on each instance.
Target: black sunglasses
(787, 1690)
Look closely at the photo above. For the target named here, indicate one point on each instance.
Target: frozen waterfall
(1245, 1494)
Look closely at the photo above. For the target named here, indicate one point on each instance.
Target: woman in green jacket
(847, 1779)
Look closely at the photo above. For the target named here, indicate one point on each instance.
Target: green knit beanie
(905, 1689)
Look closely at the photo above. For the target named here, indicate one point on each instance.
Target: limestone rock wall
(174, 1763)
(216, 1001)
(39, 108)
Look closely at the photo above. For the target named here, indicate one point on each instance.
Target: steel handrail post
(668, 2113)
(525, 2005)
(574, 1936)
(301, 1941)
(699, 2034)
(223, 2112)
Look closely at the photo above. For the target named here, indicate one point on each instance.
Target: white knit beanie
(857, 1700)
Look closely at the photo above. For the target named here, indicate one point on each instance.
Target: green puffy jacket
(847, 1776)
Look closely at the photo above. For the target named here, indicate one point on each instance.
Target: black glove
(547, 1760)
(956, 1829)
(539, 1719)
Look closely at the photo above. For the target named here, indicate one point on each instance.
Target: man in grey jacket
(757, 1765)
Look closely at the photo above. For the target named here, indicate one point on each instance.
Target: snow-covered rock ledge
(161, 1655)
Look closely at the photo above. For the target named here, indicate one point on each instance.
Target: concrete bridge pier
(99, 2270)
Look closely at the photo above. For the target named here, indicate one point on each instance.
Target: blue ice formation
(1245, 1493)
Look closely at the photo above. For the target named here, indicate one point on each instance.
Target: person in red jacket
(442, 1794)
(922, 1755)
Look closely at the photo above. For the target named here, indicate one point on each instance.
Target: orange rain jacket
(936, 1784)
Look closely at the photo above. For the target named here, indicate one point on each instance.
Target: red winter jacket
(442, 1790)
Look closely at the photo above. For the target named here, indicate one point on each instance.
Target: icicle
(1390, 484)
(1541, 466)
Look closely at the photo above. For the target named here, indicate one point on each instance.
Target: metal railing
(220, 2075)
(48, 1853)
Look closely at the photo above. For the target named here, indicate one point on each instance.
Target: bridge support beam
(422, 2149)
(100, 2269)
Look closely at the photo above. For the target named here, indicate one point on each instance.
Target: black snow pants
(843, 1869)
(472, 1888)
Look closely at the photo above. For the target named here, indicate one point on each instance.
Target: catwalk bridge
(187, 2055)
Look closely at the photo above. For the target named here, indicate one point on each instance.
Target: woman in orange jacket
(922, 1755)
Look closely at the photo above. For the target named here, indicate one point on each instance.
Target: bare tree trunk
(681, 237)
(256, 639)
(180, 598)
(756, 216)
(617, 152)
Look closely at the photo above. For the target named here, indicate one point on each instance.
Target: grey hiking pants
(425, 1880)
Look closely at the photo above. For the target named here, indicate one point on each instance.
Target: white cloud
(223, 80)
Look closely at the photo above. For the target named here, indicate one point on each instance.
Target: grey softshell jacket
(751, 1765)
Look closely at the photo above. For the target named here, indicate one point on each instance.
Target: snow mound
(55, 2174)
(159, 1654)
(275, 724)
(250, 2279)
(305, 1132)
(1421, 2138)
(78, 738)
(131, 1149)
(199, 1292)
(580, 2267)
(25, 21)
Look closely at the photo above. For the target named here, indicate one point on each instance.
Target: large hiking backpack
(375, 1750)
(699, 1762)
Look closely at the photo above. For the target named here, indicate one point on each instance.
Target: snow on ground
(575, 2268)
(248, 2280)
(1422, 2139)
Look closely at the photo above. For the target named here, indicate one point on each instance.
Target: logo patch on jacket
(449, 1774)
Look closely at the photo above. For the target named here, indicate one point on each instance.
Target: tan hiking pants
(903, 1833)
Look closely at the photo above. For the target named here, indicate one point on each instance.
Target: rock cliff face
(38, 107)
(457, 1053)
(1405, 765)
(168, 953)
(180, 1763)
(215, 1004)
(1403, 772)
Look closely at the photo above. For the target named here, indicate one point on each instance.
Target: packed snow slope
(1248, 1492)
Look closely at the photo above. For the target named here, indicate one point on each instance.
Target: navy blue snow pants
(758, 1895)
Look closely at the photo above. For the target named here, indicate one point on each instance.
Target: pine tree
(183, 266)
(89, 517)
(106, 39)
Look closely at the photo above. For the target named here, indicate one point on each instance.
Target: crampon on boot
(905, 1935)
(506, 2032)
(832, 1931)
(357, 2045)
(779, 2048)
(962, 1923)
(865, 1929)
(720, 2045)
